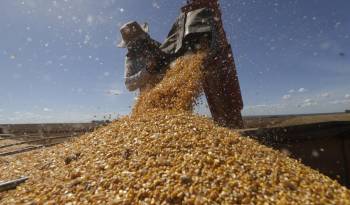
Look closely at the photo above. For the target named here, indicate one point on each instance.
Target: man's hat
(132, 31)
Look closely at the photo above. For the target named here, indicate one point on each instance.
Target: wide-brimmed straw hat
(131, 32)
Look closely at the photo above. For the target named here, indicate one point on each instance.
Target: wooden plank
(34, 141)
(7, 135)
(6, 186)
(27, 149)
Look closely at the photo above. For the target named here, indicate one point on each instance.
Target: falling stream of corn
(164, 154)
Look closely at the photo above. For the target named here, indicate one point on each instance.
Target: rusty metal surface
(322, 146)
(221, 84)
(298, 133)
(346, 148)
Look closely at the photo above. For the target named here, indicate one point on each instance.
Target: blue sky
(59, 62)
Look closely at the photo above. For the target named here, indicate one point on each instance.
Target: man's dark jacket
(187, 28)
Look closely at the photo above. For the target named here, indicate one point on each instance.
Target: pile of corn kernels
(166, 156)
(178, 90)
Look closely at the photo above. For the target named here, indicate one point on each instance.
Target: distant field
(289, 120)
(250, 122)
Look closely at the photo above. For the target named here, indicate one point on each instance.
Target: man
(198, 27)
(190, 31)
(147, 59)
(145, 62)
